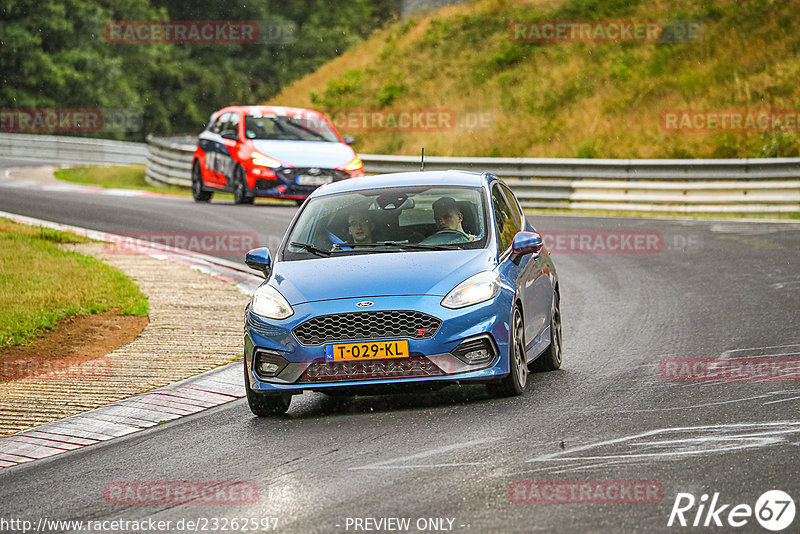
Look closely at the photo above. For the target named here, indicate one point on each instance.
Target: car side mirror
(258, 259)
(230, 134)
(526, 243)
(349, 139)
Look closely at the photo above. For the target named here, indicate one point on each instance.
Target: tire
(550, 360)
(241, 193)
(198, 193)
(265, 404)
(514, 383)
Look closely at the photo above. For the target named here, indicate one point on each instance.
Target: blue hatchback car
(423, 278)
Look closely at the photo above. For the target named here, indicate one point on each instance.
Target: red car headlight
(354, 165)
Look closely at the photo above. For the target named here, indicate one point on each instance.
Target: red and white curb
(186, 397)
(195, 394)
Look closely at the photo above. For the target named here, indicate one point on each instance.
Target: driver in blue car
(448, 216)
(360, 227)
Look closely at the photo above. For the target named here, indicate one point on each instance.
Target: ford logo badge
(364, 304)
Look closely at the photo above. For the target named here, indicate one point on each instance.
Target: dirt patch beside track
(73, 341)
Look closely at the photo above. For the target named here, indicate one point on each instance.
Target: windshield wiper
(400, 244)
(311, 248)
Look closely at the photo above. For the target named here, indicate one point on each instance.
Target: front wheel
(198, 193)
(514, 383)
(264, 404)
(241, 192)
(550, 360)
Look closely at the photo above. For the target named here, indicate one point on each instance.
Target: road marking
(693, 406)
(712, 439)
(572, 468)
(781, 400)
(763, 351)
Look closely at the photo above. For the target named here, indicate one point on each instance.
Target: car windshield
(288, 128)
(389, 220)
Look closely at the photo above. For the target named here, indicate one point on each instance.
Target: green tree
(53, 54)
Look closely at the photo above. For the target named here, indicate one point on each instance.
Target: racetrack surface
(712, 289)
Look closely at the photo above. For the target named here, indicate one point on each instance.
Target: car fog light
(268, 364)
(480, 354)
(268, 368)
(476, 350)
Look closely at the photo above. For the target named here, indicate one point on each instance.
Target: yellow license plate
(367, 350)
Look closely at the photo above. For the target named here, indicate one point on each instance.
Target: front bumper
(284, 181)
(303, 367)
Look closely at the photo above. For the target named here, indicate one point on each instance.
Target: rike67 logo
(774, 510)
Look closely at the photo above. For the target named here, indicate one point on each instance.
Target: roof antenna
(422, 160)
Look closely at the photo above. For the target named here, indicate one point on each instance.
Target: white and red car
(270, 151)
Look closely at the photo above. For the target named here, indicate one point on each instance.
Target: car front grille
(358, 326)
(412, 367)
(292, 172)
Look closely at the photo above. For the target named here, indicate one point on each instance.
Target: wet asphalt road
(710, 289)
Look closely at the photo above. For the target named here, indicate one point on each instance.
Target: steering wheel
(445, 237)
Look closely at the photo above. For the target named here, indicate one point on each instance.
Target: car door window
(519, 215)
(507, 225)
(219, 124)
(233, 125)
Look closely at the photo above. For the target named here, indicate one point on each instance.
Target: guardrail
(78, 150)
(169, 161)
(711, 185)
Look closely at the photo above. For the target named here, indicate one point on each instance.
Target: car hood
(379, 274)
(306, 153)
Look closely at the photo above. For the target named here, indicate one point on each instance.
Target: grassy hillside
(570, 99)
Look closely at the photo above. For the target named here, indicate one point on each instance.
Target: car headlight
(265, 161)
(477, 288)
(268, 302)
(354, 165)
